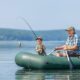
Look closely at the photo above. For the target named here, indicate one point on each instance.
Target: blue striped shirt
(71, 41)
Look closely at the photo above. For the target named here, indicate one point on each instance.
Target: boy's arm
(38, 49)
(44, 47)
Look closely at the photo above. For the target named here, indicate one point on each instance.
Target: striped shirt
(74, 40)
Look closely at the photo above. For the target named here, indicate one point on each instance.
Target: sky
(41, 14)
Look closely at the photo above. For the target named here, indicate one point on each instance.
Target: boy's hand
(39, 50)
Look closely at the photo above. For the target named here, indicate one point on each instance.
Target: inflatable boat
(35, 61)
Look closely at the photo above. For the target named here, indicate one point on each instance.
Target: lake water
(10, 71)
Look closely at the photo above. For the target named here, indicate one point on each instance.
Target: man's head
(71, 30)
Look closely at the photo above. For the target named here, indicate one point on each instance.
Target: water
(10, 71)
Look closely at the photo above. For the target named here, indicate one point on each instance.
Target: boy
(40, 48)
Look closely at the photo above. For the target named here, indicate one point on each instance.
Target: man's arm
(75, 47)
(60, 48)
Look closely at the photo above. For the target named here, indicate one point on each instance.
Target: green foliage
(12, 34)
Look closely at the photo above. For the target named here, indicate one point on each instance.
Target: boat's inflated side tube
(34, 61)
(30, 61)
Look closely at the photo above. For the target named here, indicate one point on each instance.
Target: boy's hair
(39, 38)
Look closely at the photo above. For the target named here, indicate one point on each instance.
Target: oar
(51, 52)
(69, 60)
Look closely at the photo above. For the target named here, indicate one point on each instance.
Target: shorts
(73, 53)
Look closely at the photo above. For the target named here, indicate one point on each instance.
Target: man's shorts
(73, 53)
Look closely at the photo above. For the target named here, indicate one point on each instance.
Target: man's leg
(60, 54)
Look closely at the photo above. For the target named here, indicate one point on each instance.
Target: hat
(70, 28)
(39, 38)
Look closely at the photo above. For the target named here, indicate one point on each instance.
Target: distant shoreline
(27, 35)
(26, 41)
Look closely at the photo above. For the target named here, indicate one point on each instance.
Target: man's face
(70, 32)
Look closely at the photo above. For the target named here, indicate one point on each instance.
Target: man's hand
(59, 48)
(55, 49)
(65, 48)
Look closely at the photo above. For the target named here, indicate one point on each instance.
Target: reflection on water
(47, 75)
(9, 70)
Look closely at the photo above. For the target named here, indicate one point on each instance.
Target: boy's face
(39, 41)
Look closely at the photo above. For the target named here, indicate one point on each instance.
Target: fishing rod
(29, 27)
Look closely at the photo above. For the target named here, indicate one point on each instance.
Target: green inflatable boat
(34, 61)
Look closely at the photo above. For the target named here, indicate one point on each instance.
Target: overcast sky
(41, 14)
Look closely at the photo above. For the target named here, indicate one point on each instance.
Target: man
(72, 44)
(40, 48)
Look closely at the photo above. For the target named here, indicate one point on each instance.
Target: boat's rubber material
(34, 61)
